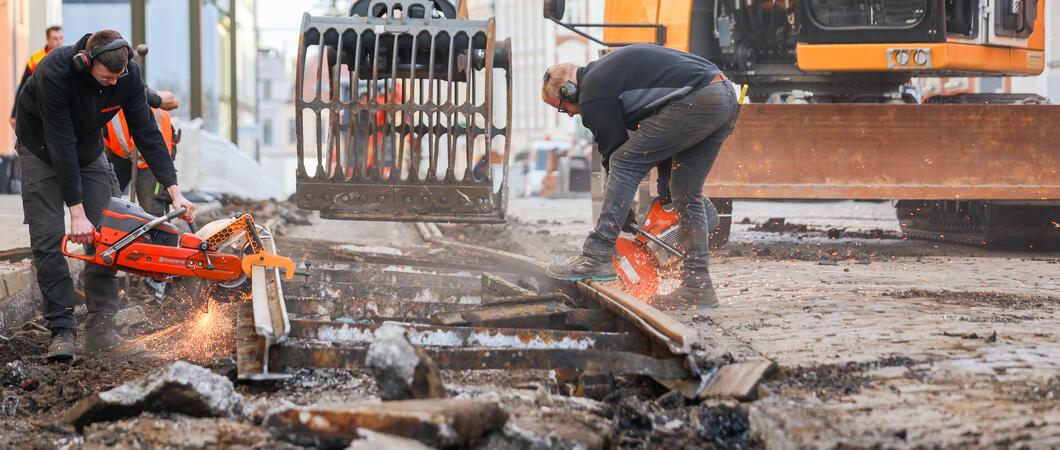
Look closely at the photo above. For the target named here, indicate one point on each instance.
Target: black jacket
(26, 73)
(62, 112)
(627, 85)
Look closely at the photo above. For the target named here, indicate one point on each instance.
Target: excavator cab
(922, 37)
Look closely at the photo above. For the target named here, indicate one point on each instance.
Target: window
(266, 132)
(292, 133)
(962, 17)
(266, 89)
(1015, 18)
(868, 13)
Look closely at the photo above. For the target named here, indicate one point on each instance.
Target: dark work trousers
(149, 194)
(42, 203)
(690, 130)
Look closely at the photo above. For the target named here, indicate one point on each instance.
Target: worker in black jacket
(646, 104)
(61, 112)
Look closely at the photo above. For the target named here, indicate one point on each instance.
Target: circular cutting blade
(637, 269)
(232, 284)
(231, 248)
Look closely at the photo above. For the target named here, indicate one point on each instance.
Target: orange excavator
(833, 113)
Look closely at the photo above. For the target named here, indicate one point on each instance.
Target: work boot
(62, 345)
(697, 292)
(101, 339)
(577, 268)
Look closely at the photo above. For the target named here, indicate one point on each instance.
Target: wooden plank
(370, 309)
(523, 315)
(677, 336)
(739, 380)
(494, 286)
(291, 355)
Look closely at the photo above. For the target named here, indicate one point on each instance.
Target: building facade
(205, 51)
(277, 134)
(538, 43)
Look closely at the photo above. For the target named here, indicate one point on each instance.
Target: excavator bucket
(401, 115)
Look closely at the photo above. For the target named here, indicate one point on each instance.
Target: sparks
(208, 335)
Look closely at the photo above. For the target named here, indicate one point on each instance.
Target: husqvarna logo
(163, 259)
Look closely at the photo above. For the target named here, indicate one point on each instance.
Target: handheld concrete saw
(224, 251)
(652, 248)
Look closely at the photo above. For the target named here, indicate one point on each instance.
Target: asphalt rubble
(141, 402)
(178, 395)
(400, 401)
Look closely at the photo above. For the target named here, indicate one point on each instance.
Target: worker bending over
(646, 104)
(61, 111)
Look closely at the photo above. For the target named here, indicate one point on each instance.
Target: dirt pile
(1003, 300)
(274, 215)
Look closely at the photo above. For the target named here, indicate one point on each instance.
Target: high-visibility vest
(35, 59)
(120, 142)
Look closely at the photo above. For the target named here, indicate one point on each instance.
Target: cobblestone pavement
(900, 344)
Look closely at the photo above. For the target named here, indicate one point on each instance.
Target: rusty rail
(473, 320)
(465, 320)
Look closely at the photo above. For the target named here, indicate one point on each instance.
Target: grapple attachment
(396, 114)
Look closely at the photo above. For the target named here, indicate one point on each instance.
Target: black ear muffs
(569, 92)
(82, 60)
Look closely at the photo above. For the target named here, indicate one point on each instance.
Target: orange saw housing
(638, 261)
(161, 253)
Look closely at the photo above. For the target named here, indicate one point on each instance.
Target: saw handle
(176, 213)
(86, 258)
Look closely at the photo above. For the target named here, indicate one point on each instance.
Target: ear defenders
(568, 91)
(83, 59)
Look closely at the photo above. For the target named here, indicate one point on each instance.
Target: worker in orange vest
(54, 39)
(9, 170)
(120, 145)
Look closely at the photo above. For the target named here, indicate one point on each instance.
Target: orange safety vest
(120, 142)
(35, 59)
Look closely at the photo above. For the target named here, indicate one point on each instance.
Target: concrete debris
(130, 316)
(439, 423)
(549, 429)
(179, 387)
(259, 408)
(182, 433)
(371, 440)
(401, 370)
(12, 374)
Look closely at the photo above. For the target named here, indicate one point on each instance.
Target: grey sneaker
(62, 346)
(583, 267)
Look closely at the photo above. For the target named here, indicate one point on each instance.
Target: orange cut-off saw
(653, 248)
(224, 251)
